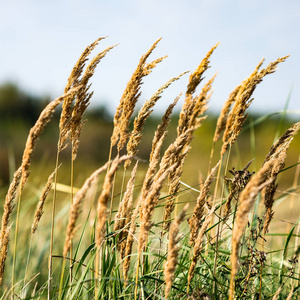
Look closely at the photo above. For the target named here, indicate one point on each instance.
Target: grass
(135, 229)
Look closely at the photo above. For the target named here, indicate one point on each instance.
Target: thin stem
(137, 277)
(71, 248)
(97, 272)
(123, 183)
(27, 261)
(97, 259)
(16, 242)
(218, 226)
(71, 200)
(113, 187)
(52, 226)
(112, 198)
(211, 157)
(215, 194)
(62, 278)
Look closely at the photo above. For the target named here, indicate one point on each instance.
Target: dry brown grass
(132, 225)
(173, 250)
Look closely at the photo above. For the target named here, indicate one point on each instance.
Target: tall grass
(128, 234)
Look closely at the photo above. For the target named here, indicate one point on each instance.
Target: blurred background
(41, 41)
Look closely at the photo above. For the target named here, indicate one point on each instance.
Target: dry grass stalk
(152, 185)
(236, 117)
(237, 184)
(73, 81)
(8, 203)
(172, 151)
(71, 117)
(3, 252)
(189, 120)
(126, 201)
(37, 130)
(289, 133)
(130, 240)
(290, 295)
(268, 202)
(227, 124)
(173, 250)
(157, 141)
(276, 295)
(198, 244)
(265, 177)
(227, 209)
(278, 150)
(247, 199)
(149, 204)
(40, 206)
(79, 66)
(162, 127)
(129, 98)
(148, 67)
(190, 109)
(102, 207)
(174, 186)
(151, 177)
(221, 122)
(193, 108)
(76, 205)
(200, 104)
(198, 212)
(122, 217)
(143, 114)
(196, 76)
(82, 101)
(152, 169)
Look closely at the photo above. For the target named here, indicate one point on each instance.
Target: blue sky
(41, 41)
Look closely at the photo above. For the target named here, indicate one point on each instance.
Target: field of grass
(179, 218)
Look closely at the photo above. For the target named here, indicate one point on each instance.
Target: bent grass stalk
(37, 217)
(173, 250)
(31, 142)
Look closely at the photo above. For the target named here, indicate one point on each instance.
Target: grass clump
(130, 234)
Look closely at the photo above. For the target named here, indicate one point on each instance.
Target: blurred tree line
(16, 104)
(19, 111)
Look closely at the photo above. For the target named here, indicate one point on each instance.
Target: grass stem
(52, 226)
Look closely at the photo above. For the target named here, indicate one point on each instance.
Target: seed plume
(198, 213)
(40, 207)
(196, 76)
(247, 198)
(144, 113)
(198, 244)
(37, 130)
(243, 100)
(73, 81)
(8, 203)
(76, 205)
(221, 122)
(130, 97)
(278, 150)
(123, 215)
(105, 196)
(3, 252)
(173, 250)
